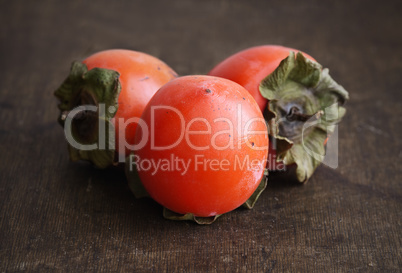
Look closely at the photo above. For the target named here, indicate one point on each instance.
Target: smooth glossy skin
(141, 75)
(250, 66)
(206, 188)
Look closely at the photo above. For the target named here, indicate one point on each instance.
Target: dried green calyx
(88, 101)
(305, 104)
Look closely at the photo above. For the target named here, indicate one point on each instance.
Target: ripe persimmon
(204, 147)
(299, 99)
(117, 84)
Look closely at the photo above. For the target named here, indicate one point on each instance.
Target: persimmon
(202, 148)
(299, 99)
(117, 84)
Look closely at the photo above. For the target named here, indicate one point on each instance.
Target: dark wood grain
(69, 217)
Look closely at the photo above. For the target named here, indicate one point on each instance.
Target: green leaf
(275, 80)
(307, 155)
(71, 86)
(249, 204)
(134, 181)
(301, 89)
(305, 71)
(94, 87)
(171, 215)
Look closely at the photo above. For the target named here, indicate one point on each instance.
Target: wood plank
(61, 216)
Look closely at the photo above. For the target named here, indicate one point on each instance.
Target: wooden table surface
(56, 215)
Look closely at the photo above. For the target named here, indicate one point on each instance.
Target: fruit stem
(294, 114)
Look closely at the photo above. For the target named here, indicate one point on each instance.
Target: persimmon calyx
(305, 104)
(88, 102)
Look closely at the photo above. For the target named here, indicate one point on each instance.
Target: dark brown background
(61, 216)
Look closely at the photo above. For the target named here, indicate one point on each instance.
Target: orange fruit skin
(217, 183)
(141, 75)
